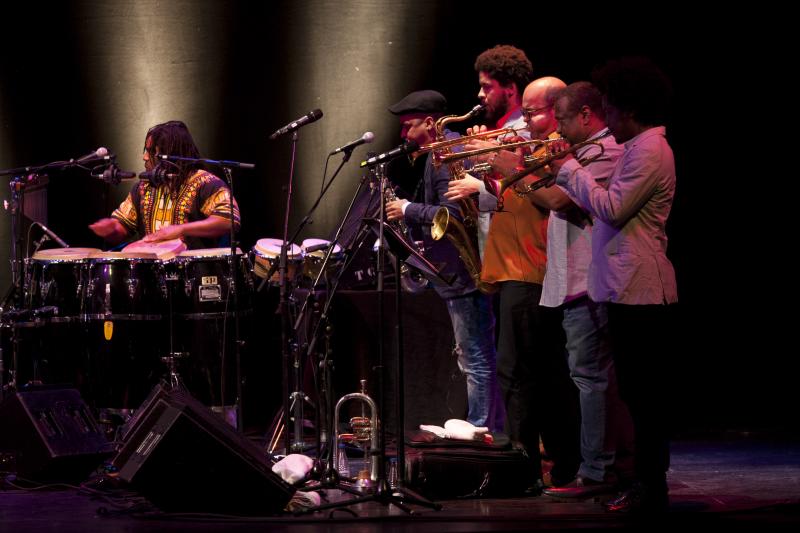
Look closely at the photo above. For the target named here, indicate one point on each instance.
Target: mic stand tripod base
(173, 379)
(400, 497)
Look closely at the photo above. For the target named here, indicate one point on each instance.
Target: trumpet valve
(362, 428)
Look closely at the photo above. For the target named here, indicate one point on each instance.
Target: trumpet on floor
(365, 430)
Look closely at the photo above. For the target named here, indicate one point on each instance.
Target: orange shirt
(516, 248)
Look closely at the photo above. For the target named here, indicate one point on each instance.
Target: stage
(733, 482)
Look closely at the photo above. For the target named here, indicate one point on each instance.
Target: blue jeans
(473, 329)
(591, 367)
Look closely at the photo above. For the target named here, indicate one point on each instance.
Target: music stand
(384, 494)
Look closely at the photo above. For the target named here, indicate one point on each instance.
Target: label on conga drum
(209, 293)
(206, 285)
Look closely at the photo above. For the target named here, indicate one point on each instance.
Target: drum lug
(107, 300)
(132, 283)
(44, 289)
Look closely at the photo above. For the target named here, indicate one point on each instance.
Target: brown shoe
(579, 488)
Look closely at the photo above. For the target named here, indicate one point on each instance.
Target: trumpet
(467, 154)
(365, 429)
(437, 146)
(544, 160)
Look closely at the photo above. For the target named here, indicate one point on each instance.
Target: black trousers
(641, 344)
(539, 396)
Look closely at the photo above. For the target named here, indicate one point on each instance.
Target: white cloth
(456, 429)
(293, 468)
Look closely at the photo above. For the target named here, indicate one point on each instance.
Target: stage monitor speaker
(125, 431)
(184, 458)
(49, 435)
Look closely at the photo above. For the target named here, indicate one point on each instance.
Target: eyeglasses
(528, 113)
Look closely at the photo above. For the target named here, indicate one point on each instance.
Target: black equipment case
(446, 469)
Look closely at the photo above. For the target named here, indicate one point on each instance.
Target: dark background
(82, 74)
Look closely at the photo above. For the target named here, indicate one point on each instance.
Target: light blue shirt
(629, 242)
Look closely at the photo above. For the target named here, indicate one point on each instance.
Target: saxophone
(463, 235)
(411, 279)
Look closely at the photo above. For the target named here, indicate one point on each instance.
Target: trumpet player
(605, 422)
(629, 270)
(470, 310)
(539, 397)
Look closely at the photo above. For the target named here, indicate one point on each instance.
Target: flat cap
(420, 102)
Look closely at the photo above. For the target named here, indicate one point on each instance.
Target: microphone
(158, 175)
(368, 137)
(403, 149)
(52, 235)
(99, 153)
(112, 174)
(317, 247)
(312, 116)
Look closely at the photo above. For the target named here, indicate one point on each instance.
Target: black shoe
(638, 500)
(580, 487)
(535, 489)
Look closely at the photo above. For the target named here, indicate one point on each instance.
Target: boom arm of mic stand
(328, 254)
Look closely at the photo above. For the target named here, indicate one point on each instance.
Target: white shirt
(569, 236)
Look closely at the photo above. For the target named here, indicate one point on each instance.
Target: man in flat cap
(470, 310)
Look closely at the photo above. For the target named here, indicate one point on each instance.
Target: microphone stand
(233, 269)
(293, 402)
(21, 178)
(14, 297)
(233, 266)
(329, 477)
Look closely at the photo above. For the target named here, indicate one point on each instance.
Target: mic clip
(39, 243)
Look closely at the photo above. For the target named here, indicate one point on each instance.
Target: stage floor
(737, 481)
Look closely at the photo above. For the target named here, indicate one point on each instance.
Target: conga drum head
(164, 250)
(68, 254)
(318, 248)
(314, 251)
(267, 254)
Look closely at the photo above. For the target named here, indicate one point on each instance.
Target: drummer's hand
(166, 233)
(394, 209)
(107, 228)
